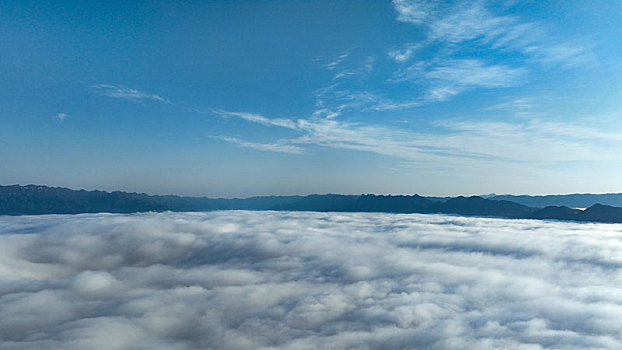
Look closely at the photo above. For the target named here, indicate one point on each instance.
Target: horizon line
(492, 194)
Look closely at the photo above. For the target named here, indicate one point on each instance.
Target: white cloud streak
(455, 76)
(336, 62)
(346, 101)
(446, 78)
(123, 92)
(412, 11)
(270, 147)
(453, 29)
(61, 117)
(451, 32)
(405, 53)
(279, 280)
(473, 72)
(255, 118)
(460, 143)
(473, 23)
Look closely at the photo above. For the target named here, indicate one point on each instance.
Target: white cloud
(341, 101)
(473, 72)
(271, 147)
(255, 118)
(455, 76)
(456, 29)
(280, 280)
(327, 113)
(445, 78)
(405, 53)
(461, 143)
(469, 21)
(514, 104)
(412, 11)
(126, 93)
(336, 62)
(389, 105)
(61, 117)
(460, 26)
(335, 134)
(362, 70)
(567, 55)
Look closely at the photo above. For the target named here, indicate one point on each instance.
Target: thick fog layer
(279, 280)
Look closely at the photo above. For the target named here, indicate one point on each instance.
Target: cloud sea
(284, 280)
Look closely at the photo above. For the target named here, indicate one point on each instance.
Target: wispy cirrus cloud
(566, 55)
(455, 76)
(469, 21)
(255, 118)
(61, 117)
(458, 142)
(452, 30)
(334, 64)
(439, 80)
(412, 11)
(270, 147)
(514, 104)
(334, 102)
(123, 92)
(358, 71)
(392, 105)
(442, 79)
(404, 53)
(448, 61)
(458, 23)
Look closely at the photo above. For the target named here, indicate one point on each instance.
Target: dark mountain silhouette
(602, 213)
(362, 203)
(584, 200)
(32, 199)
(596, 213)
(485, 207)
(556, 212)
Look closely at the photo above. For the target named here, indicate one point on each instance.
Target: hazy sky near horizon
(241, 98)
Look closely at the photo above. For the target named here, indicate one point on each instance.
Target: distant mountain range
(584, 200)
(33, 199)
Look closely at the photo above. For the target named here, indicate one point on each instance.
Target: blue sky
(242, 98)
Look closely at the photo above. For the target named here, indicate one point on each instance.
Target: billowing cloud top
(279, 280)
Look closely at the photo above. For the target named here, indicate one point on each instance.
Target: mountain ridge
(37, 199)
(574, 200)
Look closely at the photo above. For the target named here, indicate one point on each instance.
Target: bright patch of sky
(240, 98)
